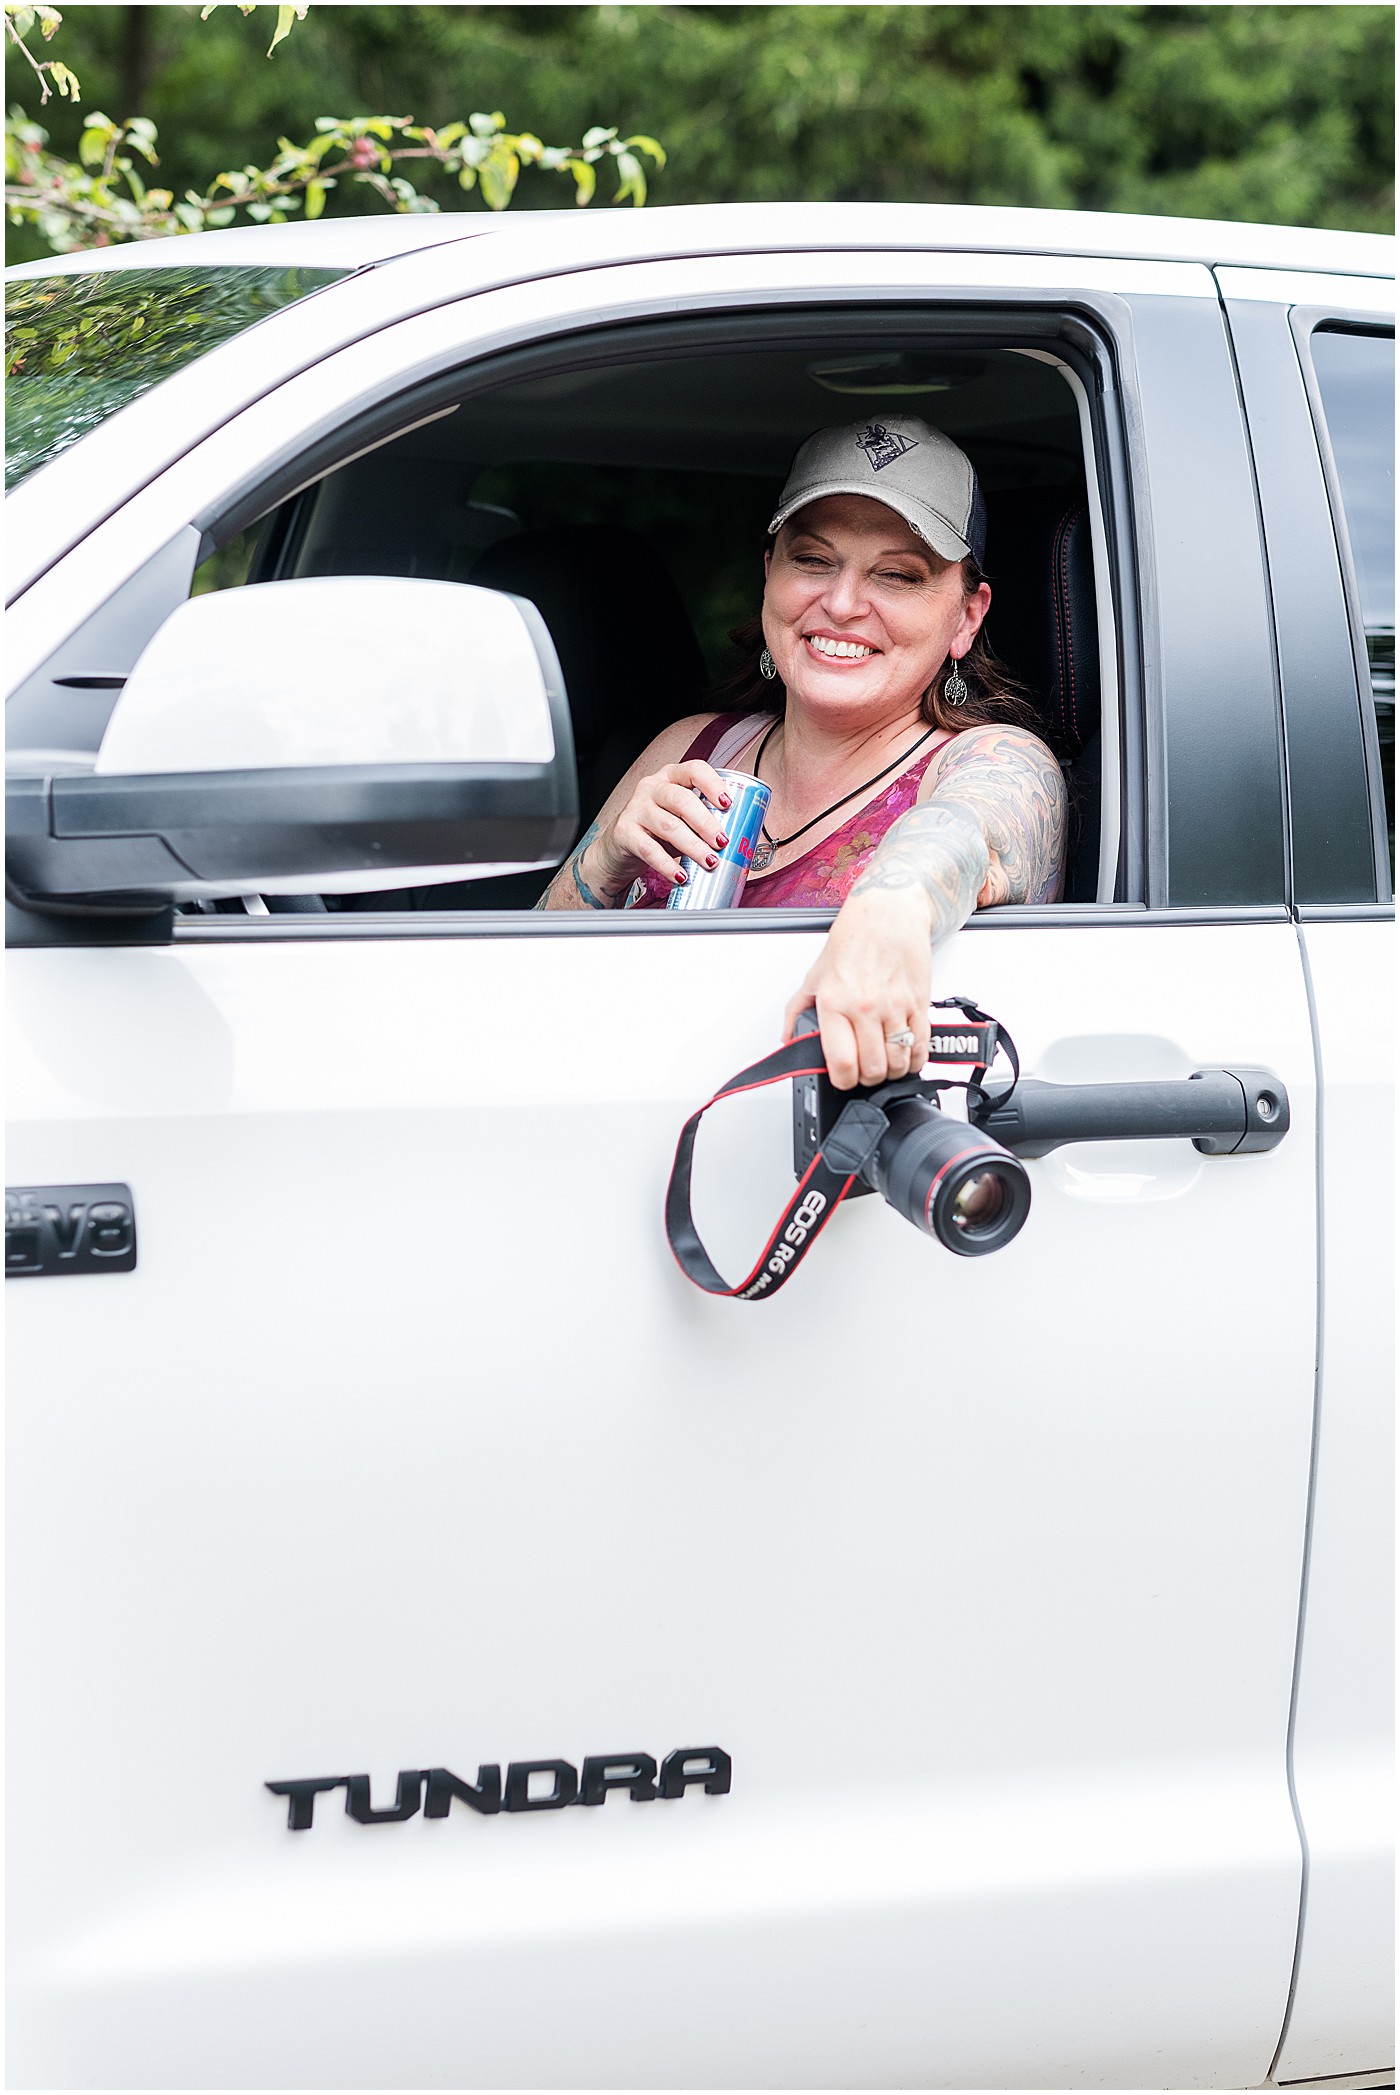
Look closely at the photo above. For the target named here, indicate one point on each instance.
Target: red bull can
(743, 824)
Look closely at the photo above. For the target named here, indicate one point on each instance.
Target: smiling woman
(906, 788)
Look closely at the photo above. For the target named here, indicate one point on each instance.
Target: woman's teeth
(846, 650)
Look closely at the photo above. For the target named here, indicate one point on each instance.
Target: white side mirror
(334, 736)
(371, 669)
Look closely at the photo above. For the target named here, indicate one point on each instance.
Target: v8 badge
(69, 1229)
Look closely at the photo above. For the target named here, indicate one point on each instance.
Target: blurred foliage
(1280, 114)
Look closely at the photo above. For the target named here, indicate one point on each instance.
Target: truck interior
(627, 494)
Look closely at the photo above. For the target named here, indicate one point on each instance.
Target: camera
(944, 1174)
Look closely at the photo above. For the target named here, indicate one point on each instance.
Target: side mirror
(337, 734)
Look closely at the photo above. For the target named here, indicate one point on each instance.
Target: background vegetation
(1280, 114)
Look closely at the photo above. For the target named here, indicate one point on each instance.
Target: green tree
(1267, 113)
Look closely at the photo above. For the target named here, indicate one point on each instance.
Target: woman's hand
(662, 822)
(872, 978)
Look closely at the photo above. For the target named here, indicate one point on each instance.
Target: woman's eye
(891, 574)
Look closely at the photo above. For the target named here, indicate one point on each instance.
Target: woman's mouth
(832, 649)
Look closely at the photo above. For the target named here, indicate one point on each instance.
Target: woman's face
(859, 613)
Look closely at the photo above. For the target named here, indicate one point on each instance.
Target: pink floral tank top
(822, 877)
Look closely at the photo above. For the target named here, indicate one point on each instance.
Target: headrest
(630, 658)
(1043, 621)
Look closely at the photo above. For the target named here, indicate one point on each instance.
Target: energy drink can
(722, 888)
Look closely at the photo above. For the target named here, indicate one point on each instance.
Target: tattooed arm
(989, 828)
(569, 889)
(1009, 784)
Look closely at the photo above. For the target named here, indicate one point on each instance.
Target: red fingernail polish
(711, 861)
(721, 842)
(725, 801)
(680, 879)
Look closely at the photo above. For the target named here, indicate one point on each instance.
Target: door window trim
(1088, 346)
(525, 923)
(1304, 322)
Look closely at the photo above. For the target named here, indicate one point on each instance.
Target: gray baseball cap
(906, 464)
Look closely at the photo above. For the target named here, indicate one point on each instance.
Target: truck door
(1317, 365)
(968, 1588)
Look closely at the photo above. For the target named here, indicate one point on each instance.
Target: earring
(767, 667)
(955, 688)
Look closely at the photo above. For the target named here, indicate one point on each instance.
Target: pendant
(762, 854)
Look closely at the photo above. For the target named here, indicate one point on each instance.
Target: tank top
(822, 877)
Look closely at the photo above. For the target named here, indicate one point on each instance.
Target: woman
(907, 786)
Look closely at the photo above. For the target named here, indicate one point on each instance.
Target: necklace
(767, 845)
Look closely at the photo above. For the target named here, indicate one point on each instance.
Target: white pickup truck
(1005, 1641)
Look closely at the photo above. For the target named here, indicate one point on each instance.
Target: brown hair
(993, 693)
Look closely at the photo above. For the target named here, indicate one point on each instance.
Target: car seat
(629, 656)
(1044, 625)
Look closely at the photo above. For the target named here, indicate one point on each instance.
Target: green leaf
(315, 199)
(467, 178)
(598, 135)
(65, 80)
(585, 181)
(648, 145)
(50, 21)
(92, 146)
(632, 180)
(498, 178)
(286, 16)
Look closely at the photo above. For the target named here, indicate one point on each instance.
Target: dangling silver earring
(767, 667)
(955, 689)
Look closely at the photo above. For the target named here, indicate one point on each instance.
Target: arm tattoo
(993, 828)
(569, 872)
(939, 849)
(1011, 783)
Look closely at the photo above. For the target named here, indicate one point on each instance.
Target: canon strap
(842, 1157)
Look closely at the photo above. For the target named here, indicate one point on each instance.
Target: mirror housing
(337, 735)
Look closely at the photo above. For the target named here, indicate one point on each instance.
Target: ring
(903, 1038)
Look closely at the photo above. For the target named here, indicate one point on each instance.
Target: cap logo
(883, 446)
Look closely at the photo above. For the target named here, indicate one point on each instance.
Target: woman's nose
(846, 595)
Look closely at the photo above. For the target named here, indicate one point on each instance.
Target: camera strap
(843, 1155)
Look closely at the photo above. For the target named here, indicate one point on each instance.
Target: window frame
(1052, 307)
(1079, 340)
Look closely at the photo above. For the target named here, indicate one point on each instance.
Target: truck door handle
(1224, 1112)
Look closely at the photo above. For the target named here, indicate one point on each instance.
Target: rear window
(77, 348)
(1356, 378)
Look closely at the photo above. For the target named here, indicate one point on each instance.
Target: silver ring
(903, 1038)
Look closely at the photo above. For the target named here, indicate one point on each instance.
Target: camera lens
(949, 1179)
(978, 1202)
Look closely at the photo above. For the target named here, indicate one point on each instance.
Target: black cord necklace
(767, 845)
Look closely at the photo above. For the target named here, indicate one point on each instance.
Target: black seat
(1044, 624)
(628, 652)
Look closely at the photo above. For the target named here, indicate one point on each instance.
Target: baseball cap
(906, 464)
